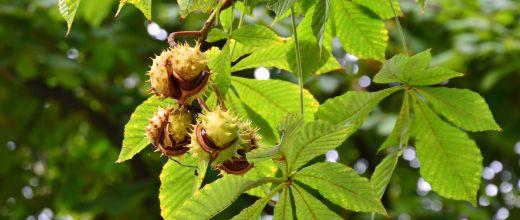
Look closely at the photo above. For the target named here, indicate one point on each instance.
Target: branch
(203, 32)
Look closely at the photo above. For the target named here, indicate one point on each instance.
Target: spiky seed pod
(180, 73)
(160, 80)
(188, 62)
(221, 126)
(169, 130)
(224, 139)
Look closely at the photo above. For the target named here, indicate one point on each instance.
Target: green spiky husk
(188, 62)
(159, 77)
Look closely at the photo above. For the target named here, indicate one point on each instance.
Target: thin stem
(220, 98)
(203, 32)
(298, 59)
(202, 104)
(399, 28)
(242, 15)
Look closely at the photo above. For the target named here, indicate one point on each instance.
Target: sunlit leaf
(463, 107)
(308, 207)
(145, 6)
(342, 186)
(352, 108)
(135, 138)
(450, 161)
(360, 34)
(273, 99)
(68, 10)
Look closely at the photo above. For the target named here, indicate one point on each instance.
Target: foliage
(432, 118)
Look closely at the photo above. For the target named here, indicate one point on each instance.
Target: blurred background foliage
(64, 102)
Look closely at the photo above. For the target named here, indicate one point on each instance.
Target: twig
(203, 104)
(220, 98)
(202, 33)
(298, 59)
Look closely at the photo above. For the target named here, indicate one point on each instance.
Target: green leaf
(265, 168)
(450, 161)
(309, 207)
(145, 6)
(382, 7)
(256, 36)
(188, 6)
(290, 125)
(135, 138)
(401, 133)
(274, 56)
(239, 50)
(400, 68)
(313, 139)
(213, 198)
(312, 57)
(361, 35)
(384, 172)
(254, 211)
(319, 19)
(216, 34)
(342, 186)
(433, 76)
(413, 70)
(244, 111)
(273, 99)
(178, 184)
(280, 6)
(463, 107)
(68, 9)
(284, 209)
(220, 66)
(226, 19)
(352, 108)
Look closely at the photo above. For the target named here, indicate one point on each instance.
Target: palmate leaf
(360, 34)
(284, 209)
(383, 172)
(145, 6)
(273, 99)
(312, 140)
(352, 108)
(135, 138)
(213, 198)
(178, 183)
(463, 107)
(413, 71)
(342, 186)
(68, 10)
(382, 7)
(254, 211)
(308, 207)
(450, 161)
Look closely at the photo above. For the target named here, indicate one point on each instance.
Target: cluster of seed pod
(216, 136)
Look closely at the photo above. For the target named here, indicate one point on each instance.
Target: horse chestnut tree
(206, 120)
